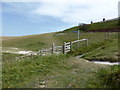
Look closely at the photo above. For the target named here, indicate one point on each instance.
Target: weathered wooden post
(71, 46)
(64, 48)
(52, 48)
(87, 42)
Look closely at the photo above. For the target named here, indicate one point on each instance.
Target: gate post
(70, 46)
(64, 48)
(52, 48)
(41, 52)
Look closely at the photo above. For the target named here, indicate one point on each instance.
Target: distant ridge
(108, 20)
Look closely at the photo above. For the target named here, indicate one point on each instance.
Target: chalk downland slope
(59, 71)
(107, 41)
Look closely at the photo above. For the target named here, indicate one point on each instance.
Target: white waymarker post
(78, 38)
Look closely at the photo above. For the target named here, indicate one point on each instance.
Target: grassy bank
(106, 52)
(101, 45)
(108, 78)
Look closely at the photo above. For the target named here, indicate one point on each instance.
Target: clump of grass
(106, 78)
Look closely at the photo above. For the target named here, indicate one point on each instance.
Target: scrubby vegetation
(20, 73)
(108, 78)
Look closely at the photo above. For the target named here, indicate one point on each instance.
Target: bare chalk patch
(16, 51)
(107, 63)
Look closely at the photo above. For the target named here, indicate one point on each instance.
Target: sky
(27, 17)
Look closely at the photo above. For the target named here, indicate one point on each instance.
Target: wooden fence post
(41, 52)
(52, 48)
(64, 48)
(87, 42)
(71, 48)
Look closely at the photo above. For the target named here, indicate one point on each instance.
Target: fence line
(67, 47)
(79, 40)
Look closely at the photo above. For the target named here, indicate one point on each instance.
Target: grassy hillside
(106, 40)
(102, 25)
(32, 42)
(63, 71)
(35, 42)
(101, 45)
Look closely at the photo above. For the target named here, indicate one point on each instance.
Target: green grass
(108, 51)
(56, 71)
(101, 45)
(104, 25)
(9, 56)
(18, 73)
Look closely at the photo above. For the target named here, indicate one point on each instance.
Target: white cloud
(119, 9)
(75, 11)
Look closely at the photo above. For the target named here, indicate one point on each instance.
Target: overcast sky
(43, 16)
